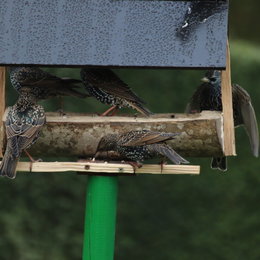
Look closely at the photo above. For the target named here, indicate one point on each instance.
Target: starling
(23, 124)
(208, 97)
(108, 88)
(140, 145)
(43, 84)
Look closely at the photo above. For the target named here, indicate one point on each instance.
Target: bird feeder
(144, 34)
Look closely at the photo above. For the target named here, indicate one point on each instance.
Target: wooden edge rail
(229, 130)
(2, 106)
(106, 168)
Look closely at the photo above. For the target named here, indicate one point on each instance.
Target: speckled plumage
(108, 88)
(141, 145)
(43, 84)
(208, 97)
(23, 124)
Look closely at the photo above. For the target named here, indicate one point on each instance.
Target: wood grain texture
(106, 168)
(78, 135)
(2, 106)
(227, 104)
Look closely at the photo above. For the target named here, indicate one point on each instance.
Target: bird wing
(140, 108)
(30, 76)
(109, 82)
(20, 137)
(139, 138)
(195, 102)
(248, 117)
(168, 152)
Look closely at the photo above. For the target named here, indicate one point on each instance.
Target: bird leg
(135, 165)
(109, 111)
(114, 111)
(31, 159)
(61, 109)
(162, 163)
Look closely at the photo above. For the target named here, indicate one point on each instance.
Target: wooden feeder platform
(206, 134)
(106, 168)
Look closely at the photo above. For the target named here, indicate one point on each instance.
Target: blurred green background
(213, 216)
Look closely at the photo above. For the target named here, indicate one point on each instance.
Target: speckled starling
(108, 88)
(140, 145)
(208, 97)
(43, 84)
(23, 124)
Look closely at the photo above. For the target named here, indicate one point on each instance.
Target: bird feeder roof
(127, 33)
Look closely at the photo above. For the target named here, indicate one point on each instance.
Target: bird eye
(213, 79)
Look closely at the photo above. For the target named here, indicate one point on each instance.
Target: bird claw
(34, 161)
(61, 112)
(162, 163)
(135, 165)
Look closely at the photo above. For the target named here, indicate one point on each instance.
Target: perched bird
(108, 88)
(43, 84)
(23, 124)
(208, 97)
(140, 145)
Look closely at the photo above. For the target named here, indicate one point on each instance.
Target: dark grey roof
(112, 33)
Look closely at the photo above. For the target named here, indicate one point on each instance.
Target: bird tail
(219, 163)
(167, 151)
(250, 123)
(68, 88)
(67, 91)
(8, 165)
(140, 108)
(71, 81)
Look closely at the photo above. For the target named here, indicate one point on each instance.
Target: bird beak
(205, 79)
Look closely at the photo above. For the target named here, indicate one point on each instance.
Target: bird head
(213, 77)
(13, 69)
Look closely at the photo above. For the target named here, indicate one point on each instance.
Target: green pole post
(100, 218)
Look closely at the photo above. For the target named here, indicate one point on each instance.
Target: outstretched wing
(246, 115)
(139, 138)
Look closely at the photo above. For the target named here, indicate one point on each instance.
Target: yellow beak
(205, 79)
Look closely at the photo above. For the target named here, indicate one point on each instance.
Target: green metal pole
(100, 218)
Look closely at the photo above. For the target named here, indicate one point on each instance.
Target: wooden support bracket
(229, 130)
(106, 168)
(2, 107)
